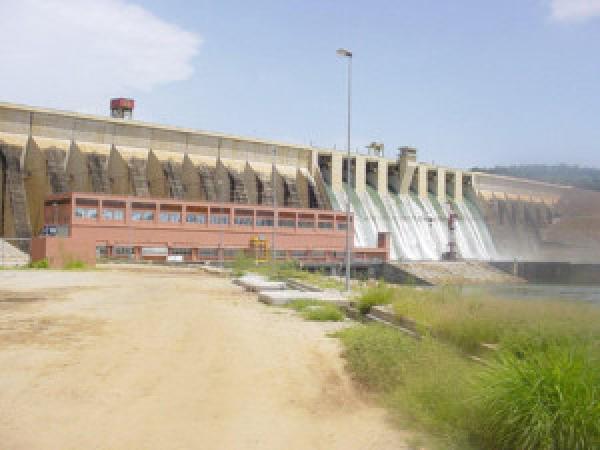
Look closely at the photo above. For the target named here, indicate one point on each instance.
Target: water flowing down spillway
(418, 227)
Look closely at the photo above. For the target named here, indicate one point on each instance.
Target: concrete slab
(287, 296)
(217, 270)
(256, 283)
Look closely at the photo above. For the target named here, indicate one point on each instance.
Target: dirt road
(138, 360)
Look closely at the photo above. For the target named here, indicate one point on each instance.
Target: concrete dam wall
(535, 221)
(45, 152)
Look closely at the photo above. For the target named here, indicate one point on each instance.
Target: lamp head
(344, 52)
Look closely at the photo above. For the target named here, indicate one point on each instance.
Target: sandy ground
(143, 360)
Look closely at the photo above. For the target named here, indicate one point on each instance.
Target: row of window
(200, 219)
(229, 252)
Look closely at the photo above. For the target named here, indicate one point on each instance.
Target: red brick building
(88, 226)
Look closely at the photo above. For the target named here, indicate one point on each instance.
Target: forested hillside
(582, 177)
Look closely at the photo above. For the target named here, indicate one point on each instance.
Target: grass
(419, 381)
(547, 400)
(540, 390)
(39, 264)
(283, 270)
(74, 264)
(317, 310)
(521, 325)
(380, 294)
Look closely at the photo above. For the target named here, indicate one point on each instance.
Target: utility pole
(348, 54)
(275, 221)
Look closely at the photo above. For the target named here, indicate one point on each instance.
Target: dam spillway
(45, 152)
(418, 227)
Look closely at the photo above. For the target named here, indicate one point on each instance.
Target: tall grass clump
(317, 310)
(467, 321)
(241, 264)
(74, 264)
(39, 264)
(546, 400)
(539, 390)
(421, 382)
(380, 294)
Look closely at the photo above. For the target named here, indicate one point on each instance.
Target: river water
(531, 291)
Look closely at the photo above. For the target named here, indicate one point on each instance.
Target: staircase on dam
(290, 193)
(207, 182)
(11, 256)
(96, 165)
(173, 179)
(315, 198)
(15, 197)
(139, 178)
(320, 189)
(55, 168)
(264, 188)
(237, 187)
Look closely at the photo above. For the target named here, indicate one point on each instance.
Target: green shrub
(317, 310)
(241, 265)
(380, 294)
(301, 304)
(325, 313)
(39, 264)
(74, 264)
(423, 382)
(544, 401)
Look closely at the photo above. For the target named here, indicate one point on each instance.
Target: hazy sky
(467, 82)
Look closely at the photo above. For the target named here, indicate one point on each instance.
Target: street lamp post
(221, 250)
(275, 218)
(348, 54)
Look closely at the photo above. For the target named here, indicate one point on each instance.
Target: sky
(466, 82)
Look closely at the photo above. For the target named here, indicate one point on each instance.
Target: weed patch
(317, 310)
(540, 390)
(74, 265)
(380, 294)
(39, 264)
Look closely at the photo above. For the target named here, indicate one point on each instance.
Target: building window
(86, 213)
(318, 253)
(280, 254)
(306, 224)
(207, 252)
(326, 225)
(232, 252)
(341, 226)
(113, 214)
(172, 217)
(195, 218)
(287, 223)
(298, 253)
(264, 222)
(101, 251)
(123, 251)
(243, 220)
(219, 219)
(142, 215)
(180, 251)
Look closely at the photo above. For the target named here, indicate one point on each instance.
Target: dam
(47, 152)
